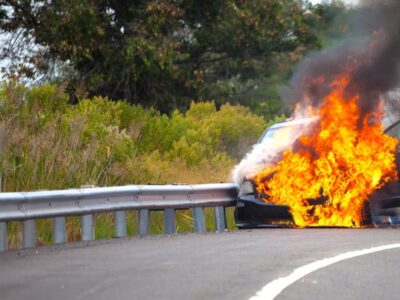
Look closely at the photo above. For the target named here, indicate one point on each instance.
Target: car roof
(305, 121)
(311, 120)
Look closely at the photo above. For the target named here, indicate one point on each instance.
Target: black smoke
(371, 50)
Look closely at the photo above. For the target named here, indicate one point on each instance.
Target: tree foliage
(332, 24)
(159, 53)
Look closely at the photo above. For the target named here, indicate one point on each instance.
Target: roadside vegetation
(47, 143)
(113, 92)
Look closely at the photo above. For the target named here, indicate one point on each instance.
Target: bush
(47, 143)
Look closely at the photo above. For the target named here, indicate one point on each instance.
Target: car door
(394, 130)
(385, 203)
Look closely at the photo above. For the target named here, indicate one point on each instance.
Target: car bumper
(252, 212)
(385, 205)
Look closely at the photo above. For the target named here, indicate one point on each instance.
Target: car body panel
(252, 212)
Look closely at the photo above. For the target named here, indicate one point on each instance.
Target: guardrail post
(87, 228)
(220, 223)
(120, 223)
(29, 234)
(169, 221)
(3, 237)
(144, 221)
(199, 220)
(60, 230)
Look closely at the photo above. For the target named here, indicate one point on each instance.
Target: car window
(281, 137)
(268, 135)
(395, 132)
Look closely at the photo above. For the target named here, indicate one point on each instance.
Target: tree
(331, 24)
(160, 53)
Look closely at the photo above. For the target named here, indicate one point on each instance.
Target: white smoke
(274, 142)
(392, 108)
(262, 154)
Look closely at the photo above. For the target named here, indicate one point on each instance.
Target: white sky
(346, 1)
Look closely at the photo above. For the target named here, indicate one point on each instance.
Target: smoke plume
(371, 51)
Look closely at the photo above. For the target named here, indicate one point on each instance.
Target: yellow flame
(340, 161)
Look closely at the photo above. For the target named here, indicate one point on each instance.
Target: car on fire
(382, 207)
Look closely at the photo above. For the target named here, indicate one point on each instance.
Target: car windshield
(281, 135)
(286, 133)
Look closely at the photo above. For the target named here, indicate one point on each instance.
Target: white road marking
(275, 287)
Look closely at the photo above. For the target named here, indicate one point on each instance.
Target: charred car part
(252, 212)
(385, 202)
(382, 208)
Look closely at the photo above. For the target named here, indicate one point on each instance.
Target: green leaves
(160, 53)
(49, 144)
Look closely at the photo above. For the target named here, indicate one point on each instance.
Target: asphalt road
(231, 265)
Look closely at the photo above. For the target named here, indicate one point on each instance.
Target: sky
(347, 1)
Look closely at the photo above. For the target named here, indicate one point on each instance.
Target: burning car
(342, 169)
(253, 208)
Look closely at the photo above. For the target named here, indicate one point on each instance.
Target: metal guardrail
(28, 206)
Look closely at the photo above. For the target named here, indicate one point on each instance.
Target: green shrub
(47, 143)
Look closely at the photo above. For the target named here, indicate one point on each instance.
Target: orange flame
(340, 162)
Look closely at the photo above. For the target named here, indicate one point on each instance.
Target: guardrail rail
(29, 206)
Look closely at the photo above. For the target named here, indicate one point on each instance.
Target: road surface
(231, 265)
